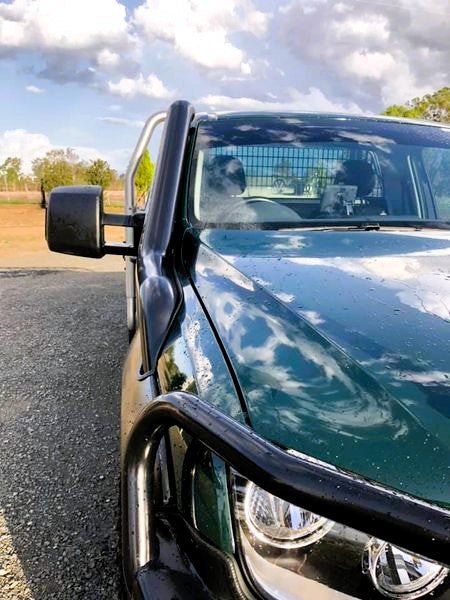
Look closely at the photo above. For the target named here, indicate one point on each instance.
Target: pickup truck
(285, 428)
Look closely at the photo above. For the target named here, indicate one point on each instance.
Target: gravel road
(62, 342)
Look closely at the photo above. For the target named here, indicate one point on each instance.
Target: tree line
(432, 107)
(64, 167)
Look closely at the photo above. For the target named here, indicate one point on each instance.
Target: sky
(86, 74)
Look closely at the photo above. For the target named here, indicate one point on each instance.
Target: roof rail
(141, 145)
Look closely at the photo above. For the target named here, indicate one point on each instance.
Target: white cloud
(200, 30)
(388, 53)
(314, 100)
(72, 24)
(33, 89)
(372, 65)
(122, 121)
(66, 33)
(106, 58)
(371, 53)
(371, 29)
(87, 153)
(28, 145)
(25, 145)
(150, 86)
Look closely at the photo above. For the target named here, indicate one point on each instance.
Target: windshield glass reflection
(275, 171)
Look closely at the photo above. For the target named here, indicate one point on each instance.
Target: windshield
(288, 171)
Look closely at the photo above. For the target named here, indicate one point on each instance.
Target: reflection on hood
(341, 344)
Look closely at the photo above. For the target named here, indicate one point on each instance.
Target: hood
(340, 341)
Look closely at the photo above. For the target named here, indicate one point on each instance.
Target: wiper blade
(341, 223)
(368, 226)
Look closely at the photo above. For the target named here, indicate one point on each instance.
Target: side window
(437, 165)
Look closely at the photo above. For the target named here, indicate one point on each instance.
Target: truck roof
(212, 116)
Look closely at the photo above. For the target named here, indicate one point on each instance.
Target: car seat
(359, 175)
(225, 175)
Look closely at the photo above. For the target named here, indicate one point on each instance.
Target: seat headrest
(226, 175)
(359, 173)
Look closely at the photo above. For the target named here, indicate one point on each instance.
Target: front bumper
(201, 574)
(155, 564)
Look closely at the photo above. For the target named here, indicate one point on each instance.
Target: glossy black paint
(160, 293)
(172, 574)
(317, 375)
(304, 127)
(166, 286)
(318, 487)
(370, 223)
(75, 223)
(203, 573)
(116, 220)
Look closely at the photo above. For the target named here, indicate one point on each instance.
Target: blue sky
(86, 73)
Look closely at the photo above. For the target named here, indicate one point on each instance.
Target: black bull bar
(316, 486)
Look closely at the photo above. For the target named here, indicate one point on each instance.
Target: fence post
(43, 202)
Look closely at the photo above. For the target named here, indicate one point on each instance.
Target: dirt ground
(23, 245)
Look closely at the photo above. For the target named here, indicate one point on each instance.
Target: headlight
(294, 554)
(280, 523)
(399, 574)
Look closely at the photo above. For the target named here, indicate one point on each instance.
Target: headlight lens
(294, 554)
(399, 574)
(280, 523)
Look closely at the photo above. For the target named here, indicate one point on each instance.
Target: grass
(18, 201)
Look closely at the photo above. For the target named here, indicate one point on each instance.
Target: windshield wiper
(368, 226)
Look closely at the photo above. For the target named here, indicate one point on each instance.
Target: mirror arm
(120, 248)
(136, 220)
(115, 220)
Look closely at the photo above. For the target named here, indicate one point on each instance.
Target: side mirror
(75, 223)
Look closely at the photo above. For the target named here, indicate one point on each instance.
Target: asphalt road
(62, 342)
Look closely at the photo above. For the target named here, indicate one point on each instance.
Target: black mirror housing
(74, 221)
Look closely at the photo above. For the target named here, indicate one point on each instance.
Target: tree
(435, 107)
(11, 172)
(78, 166)
(315, 182)
(99, 173)
(144, 177)
(117, 181)
(56, 168)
